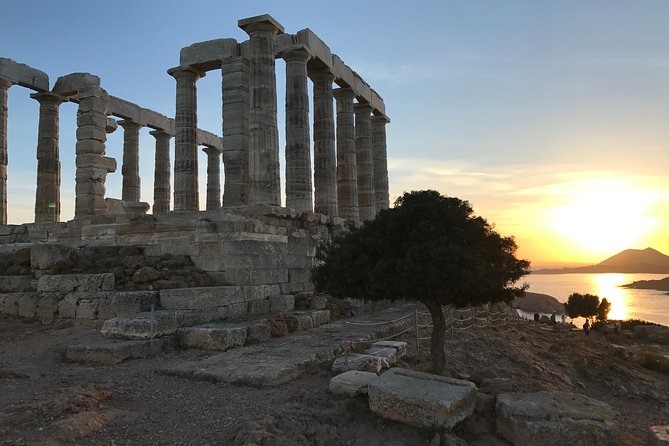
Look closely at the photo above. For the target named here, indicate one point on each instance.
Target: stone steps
(107, 351)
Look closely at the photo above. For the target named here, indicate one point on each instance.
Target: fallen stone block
(399, 346)
(388, 355)
(114, 352)
(351, 383)
(76, 282)
(355, 361)
(658, 436)
(421, 399)
(554, 419)
(213, 336)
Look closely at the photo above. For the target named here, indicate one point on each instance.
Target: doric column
(161, 179)
(4, 86)
(298, 147)
(213, 177)
(325, 156)
(263, 134)
(185, 141)
(235, 86)
(347, 173)
(364, 161)
(130, 168)
(380, 162)
(47, 194)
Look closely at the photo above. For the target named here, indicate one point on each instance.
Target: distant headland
(629, 261)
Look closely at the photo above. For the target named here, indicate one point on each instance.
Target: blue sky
(524, 108)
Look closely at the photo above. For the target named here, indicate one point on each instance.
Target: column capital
(380, 119)
(343, 93)
(48, 97)
(295, 53)
(5, 84)
(186, 72)
(127, 124)
(362, 109)
(160, 133)
(211, 151)
(260, 24)
(324, 75)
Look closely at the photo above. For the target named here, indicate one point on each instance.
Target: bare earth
(47, 401)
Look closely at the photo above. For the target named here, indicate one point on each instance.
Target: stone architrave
(381, 200)
(213, 177)
(47, 195)
(130, 168)
(298, 148)
(264, 172)
(185, 141)
(364, 161)
(235, 92)
(325, 156)
(4, 86)
(161, 181)
(347, 173)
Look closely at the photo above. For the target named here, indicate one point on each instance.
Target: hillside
(630, 261)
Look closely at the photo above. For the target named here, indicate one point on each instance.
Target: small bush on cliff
(428, 248)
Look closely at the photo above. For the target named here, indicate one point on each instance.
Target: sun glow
(608, 286)
(603, 216)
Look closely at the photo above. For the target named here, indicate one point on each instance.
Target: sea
(626, 303)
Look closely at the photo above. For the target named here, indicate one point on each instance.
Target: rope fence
(456, 319)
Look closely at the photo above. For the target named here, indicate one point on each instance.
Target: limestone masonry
(116, 259)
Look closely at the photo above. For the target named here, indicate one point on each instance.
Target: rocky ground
(48, 401)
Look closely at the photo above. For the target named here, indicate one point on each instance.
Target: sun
(603, 216)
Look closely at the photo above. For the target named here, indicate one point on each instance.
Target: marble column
(161, 179)
(298, 147)
(47, 194)
(325, 156)
(186, 197)
(364, 161)
(347, 173)
(130, 168)
(263, 133)
(380, 162)
(235, 92)
(213, 177)
(4, 87)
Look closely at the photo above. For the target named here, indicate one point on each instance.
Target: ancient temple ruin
(253, 253)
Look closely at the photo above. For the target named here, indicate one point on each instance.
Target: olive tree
(428, 248)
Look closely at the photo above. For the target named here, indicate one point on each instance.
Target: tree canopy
(587, 306)
(428, 248)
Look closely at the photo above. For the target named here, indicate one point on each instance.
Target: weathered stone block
(47, 305)
(233, 310)
(421, 399)
(12, 284)
(45, 256)
(355, 361)
(258, 331)
(399, 346)
(27, 305)
(199, 298)
(114, 352)
(299, 322)
(9, 304)
(282, 303)
(658, 436)
(213, 337)
(142, 326)
(87, 309)
(320, 317)
(351, 383)
(124, 303)
(388, 355)
(554, 418)
(259, 307)
(76, 282)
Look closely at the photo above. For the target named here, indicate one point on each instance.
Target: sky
(550, 118)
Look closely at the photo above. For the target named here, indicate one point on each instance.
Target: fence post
(415, 315)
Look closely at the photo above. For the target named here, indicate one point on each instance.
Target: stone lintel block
(658, 436)
(208, 55)
(422, 399)
(205, 138)
(23, 75)
(377, 104)
(70, 84)
(362, 89)
(264, 19)
(124, 109)
(343, 73)
(351, 383)
(316, 47)
(76, 282)
(155, 120)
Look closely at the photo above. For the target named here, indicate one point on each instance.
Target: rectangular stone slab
(421, 399)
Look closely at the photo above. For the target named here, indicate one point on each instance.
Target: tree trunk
(437, 343)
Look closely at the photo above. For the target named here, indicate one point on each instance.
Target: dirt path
(48, 401)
